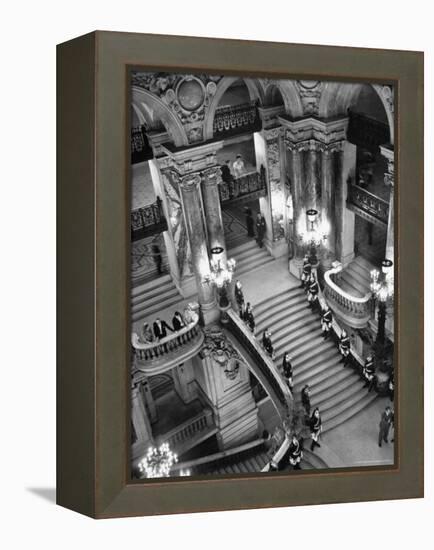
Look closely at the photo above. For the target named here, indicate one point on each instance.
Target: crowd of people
(160, 327)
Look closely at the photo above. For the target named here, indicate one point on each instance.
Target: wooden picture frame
(93, 274)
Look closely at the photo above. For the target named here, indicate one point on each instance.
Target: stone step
(149, 302)
(363, 262)
(287, 335)
(330, 385)
(346, 410)
(315, 375)
(249, 245)
(146, 311)
(285, 313)
(248, 253)
(332, 403)
(363, 272)
(315, 462)
(288, 293)
(149, 286)
(359, 280)
(350, 285)
(252, 265)
(314, 361)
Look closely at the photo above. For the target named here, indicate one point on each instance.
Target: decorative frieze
(310, 93)
(221, 351)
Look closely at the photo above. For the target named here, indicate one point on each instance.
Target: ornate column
(345, 218)
(211, 178)
(328, 201)
(140, 423)
(189, 186)
(313, 186)
(389, 180)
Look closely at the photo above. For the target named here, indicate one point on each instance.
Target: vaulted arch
(152, 108)
(290, 95)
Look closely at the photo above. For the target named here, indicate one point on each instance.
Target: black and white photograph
(262, 275)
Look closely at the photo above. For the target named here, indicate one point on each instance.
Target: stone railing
(235, 119)
(364, 202)
(354, 310)
(251, 184)
(148, 220)
(185, 433)
(261, 365)
(164, 354)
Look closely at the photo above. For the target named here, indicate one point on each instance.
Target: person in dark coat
(315, 428)
(266, 343)
(385, 422)
(239, 295)
(227, 177)
(295, 453)
(326, 322)
(287, 370)
(369, 372)
(260, 229)
(250, 222)
(249, 318)
(312, 292)
(161, 328)
(305, 399)
(178, 321)
(344, 347)
(158, 259)
(243, 312)
(305, 273)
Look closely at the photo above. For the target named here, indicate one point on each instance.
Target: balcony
(251, 185)
(236, 119)
(353, 310)
(148, 220)
(140, 148)
(158, 357)
(368, 206)
(367, 132)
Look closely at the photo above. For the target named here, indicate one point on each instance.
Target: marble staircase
(153, 296)
(355, 278)
(336, 390)
(249, 257)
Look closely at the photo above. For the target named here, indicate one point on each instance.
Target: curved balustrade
(354, 310)
(262, 366)
(156, 357)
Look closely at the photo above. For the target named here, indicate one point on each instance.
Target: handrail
(187, 429)
(268, 375)
(157, 348)
(371, 204)
(218, 456)
(366, 192)
(329, 281)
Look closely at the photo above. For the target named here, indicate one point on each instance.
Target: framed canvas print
(240, 274)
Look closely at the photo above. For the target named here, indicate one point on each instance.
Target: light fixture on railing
(158, 461)
(382, 287)
(219, 275)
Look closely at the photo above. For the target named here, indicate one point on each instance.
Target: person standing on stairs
(266, 343)
(260, 229)
(344, 347)
(312, 292)
(369, 373)
(248, 317)
(287, 370)
(158, 259)
(326, 322)
(315, 428)
(305, 399)
(306, 271)
(227, 177)
(239, 295)
(385, 423)
(295, 453)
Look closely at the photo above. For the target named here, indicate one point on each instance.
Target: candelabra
(382, 287)
(316, 234)
(158, 462)
(220, 275)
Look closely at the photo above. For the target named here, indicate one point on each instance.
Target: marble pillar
(345, 218)
(299, 210)
(194, 222)
(389, 179)
(328, 204)
(141, 423)
(313, 187)
(211, 179)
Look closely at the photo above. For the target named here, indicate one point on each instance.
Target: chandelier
(315, 234)
(219, 275)
(382, 284)
(158, 461)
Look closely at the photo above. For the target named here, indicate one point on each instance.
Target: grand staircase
(355, 278)
(151, 297)
(336, 390)
(249, 257)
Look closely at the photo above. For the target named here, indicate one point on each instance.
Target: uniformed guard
(239, 296)
(326, 322)
(305, 399)
(287, 370)
(344, 347)
(266, 342)
(248, 317)
(306, 271)
(315, 428)
(369, 372)
(295, 453)
(312, 292)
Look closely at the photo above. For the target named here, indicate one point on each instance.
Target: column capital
(190, 182)
(212, 176)
(272, 133)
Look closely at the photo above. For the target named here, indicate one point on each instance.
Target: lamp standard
(315, 235)
(220, 275)
(382, 287)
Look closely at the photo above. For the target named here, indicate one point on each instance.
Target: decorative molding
(310, 93)
(220, 350)
(308, 133)
(212, 176)
(190, 182)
